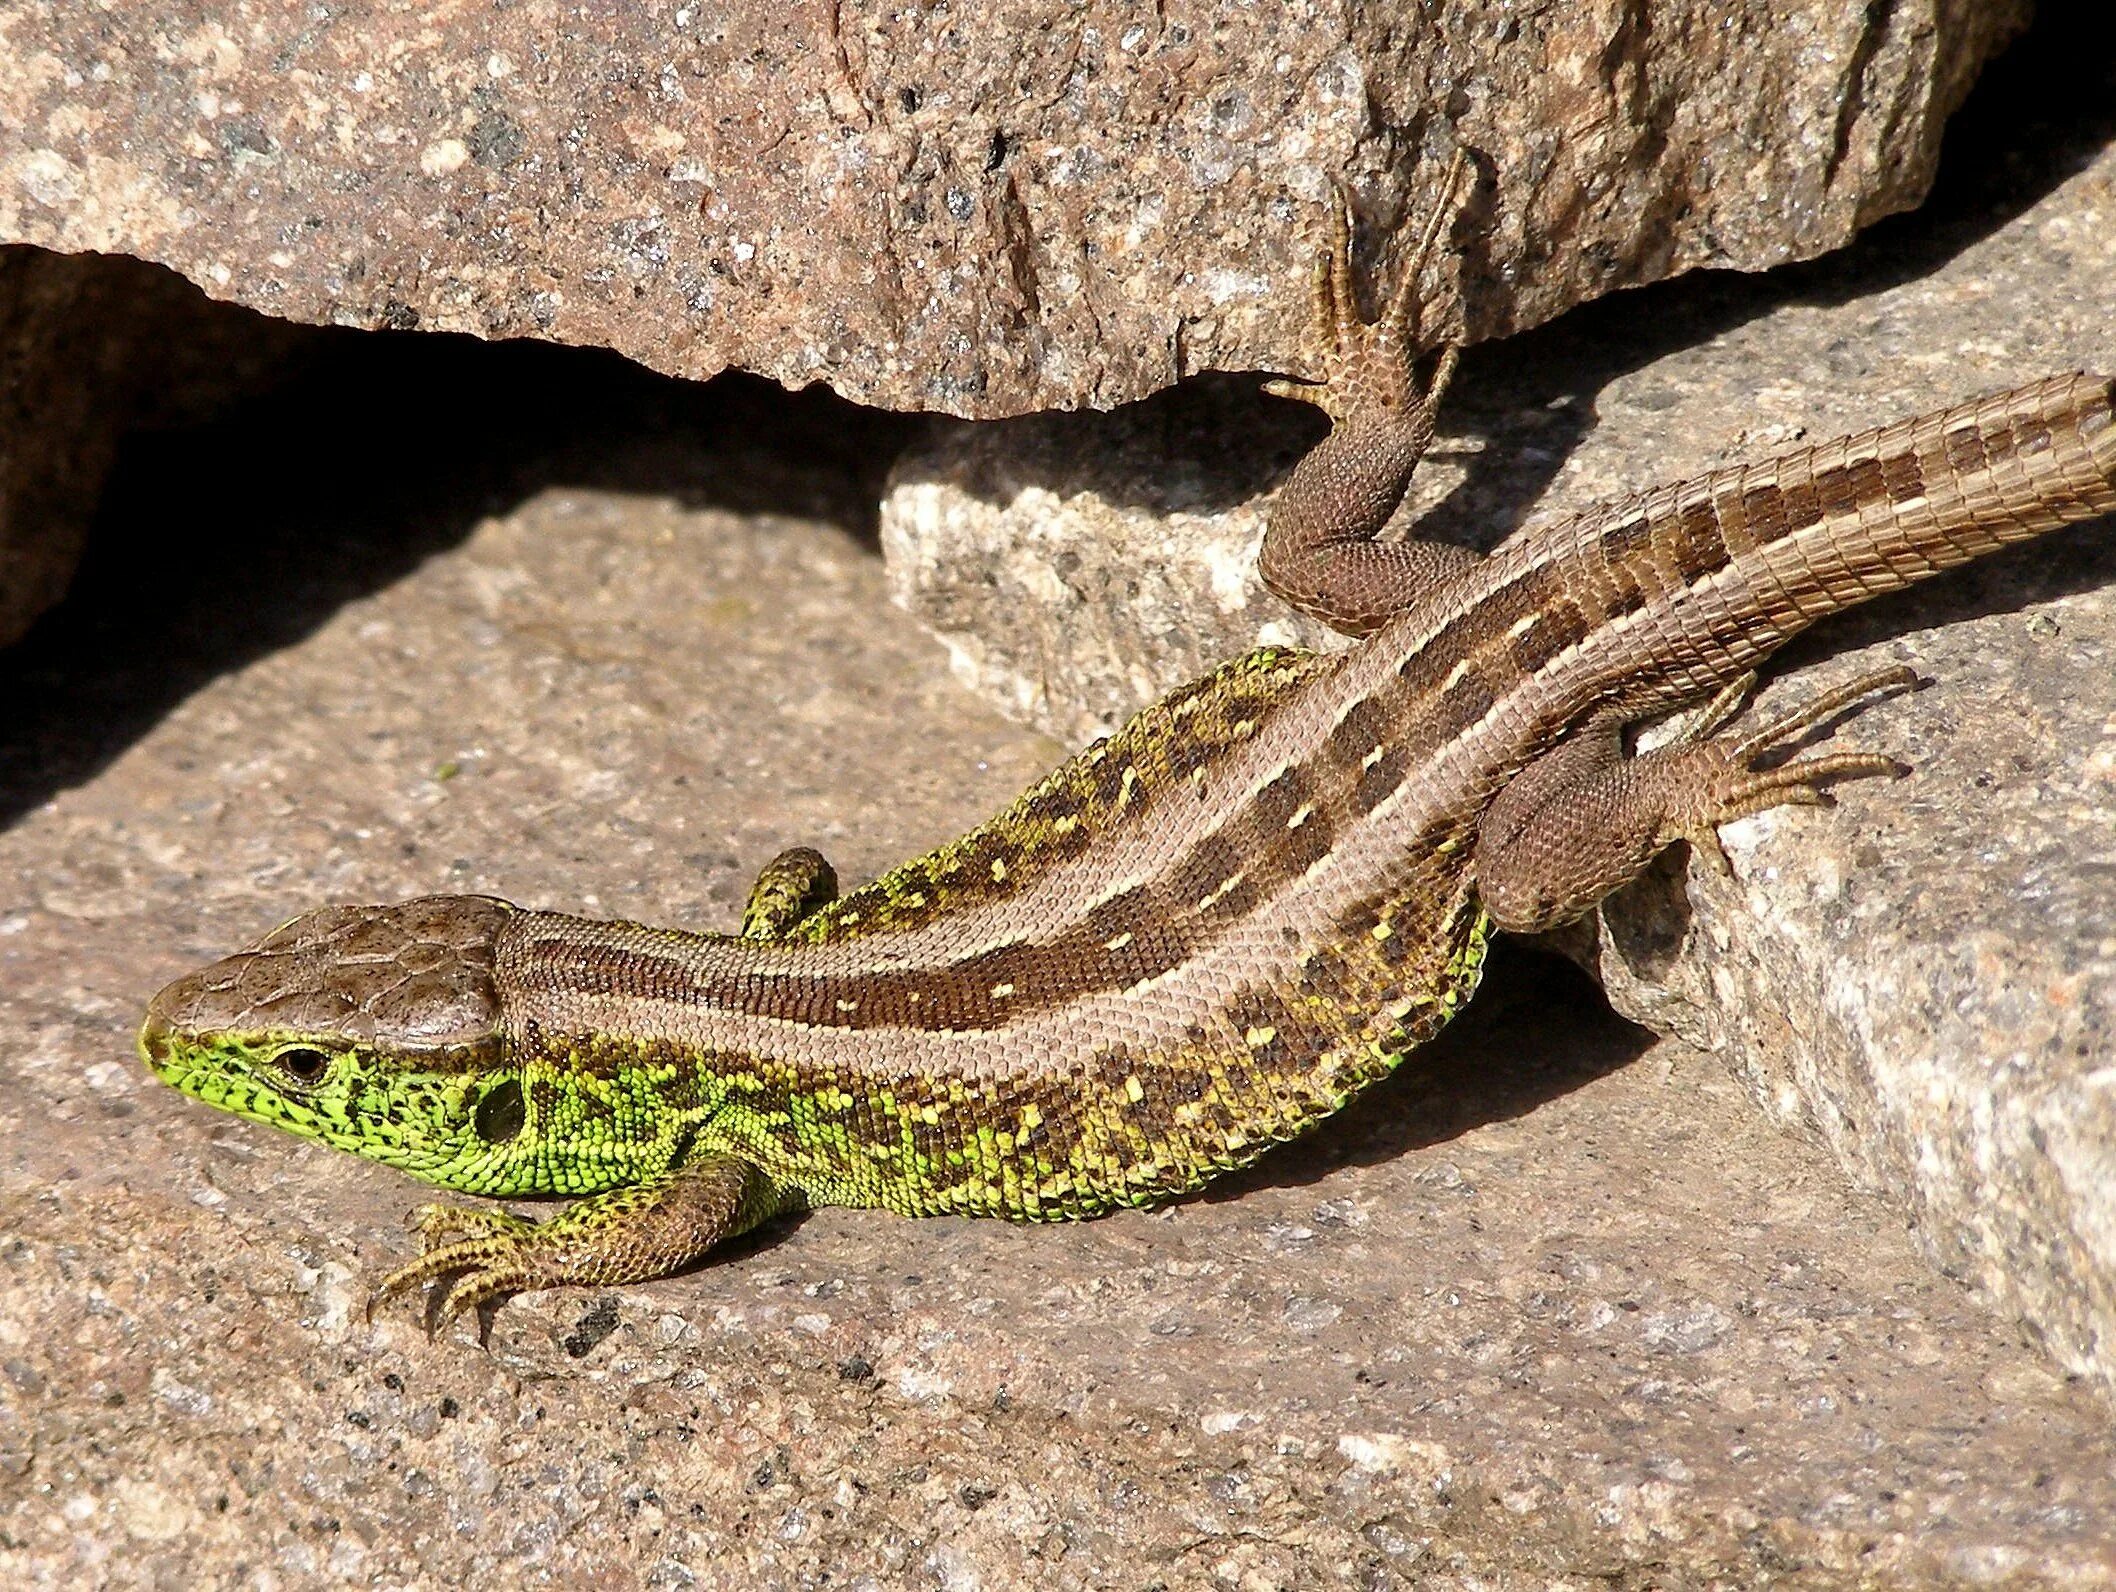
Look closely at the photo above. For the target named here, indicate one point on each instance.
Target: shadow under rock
(218, 543)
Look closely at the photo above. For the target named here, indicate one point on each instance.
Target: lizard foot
(631, 1234)
(499, 1257)
(437, 1222)
(1720, 776)
(1373, 364)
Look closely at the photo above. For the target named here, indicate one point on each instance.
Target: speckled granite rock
(983, 209)
(1078, 566)
(1555, 1309)
(1926, 975)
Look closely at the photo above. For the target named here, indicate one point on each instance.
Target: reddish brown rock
(980, 208)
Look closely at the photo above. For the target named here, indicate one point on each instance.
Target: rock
(1557, 1306)
(1925, 976)
(1077, 566)
(995, 208)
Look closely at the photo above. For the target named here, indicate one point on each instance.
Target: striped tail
(1687, 586)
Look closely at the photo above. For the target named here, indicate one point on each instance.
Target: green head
(378, 1030)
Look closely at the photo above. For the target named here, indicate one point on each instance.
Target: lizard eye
(303, 1064)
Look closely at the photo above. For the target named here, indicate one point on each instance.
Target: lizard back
(1203, 935)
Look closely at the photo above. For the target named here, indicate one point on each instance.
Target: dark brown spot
(1965, 450)
(1379, 780)
(1628, 535)
(1358, 733)
(1115, 780)
(1694, 544)
(1629, 594)
(1204, 870)
(1557, 627)
(1833, 492)
(1280, 799)
(1802, 505)
(1903, 475)
(1763, 513)
(1464, 703)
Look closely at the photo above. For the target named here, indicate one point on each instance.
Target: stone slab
(981, 208)
(1557, 1308)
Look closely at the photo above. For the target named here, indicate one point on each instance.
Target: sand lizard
(1197, 938)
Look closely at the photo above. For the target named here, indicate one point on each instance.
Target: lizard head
(373, 1029)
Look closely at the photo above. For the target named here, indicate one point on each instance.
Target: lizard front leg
(1583, 819)
(626, 1235)
(791, 886)
(1319, 551)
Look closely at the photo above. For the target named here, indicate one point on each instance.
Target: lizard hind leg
(790, 887)
(1320, 552)
(626, 1235)
(1584, 820)
(1373, 364)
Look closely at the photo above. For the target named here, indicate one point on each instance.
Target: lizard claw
(1733, 787)
(483, 1249)
(1373, 363)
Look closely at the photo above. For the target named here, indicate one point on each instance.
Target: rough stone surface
(1078, 566)
(91, 347)
(977, 208)
(1927, 973)
(1554, 1309)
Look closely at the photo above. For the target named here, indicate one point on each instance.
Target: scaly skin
(1189, 942)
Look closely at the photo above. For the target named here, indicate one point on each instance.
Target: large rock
(982, 209)
(1926, 976)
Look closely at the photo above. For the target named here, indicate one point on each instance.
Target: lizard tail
(1685, 587)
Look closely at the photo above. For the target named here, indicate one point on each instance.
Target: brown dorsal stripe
(1903, 475)
(1763, 513)
(1557, 627)
(1694, 545)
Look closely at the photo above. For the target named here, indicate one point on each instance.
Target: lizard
(1195, 939)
